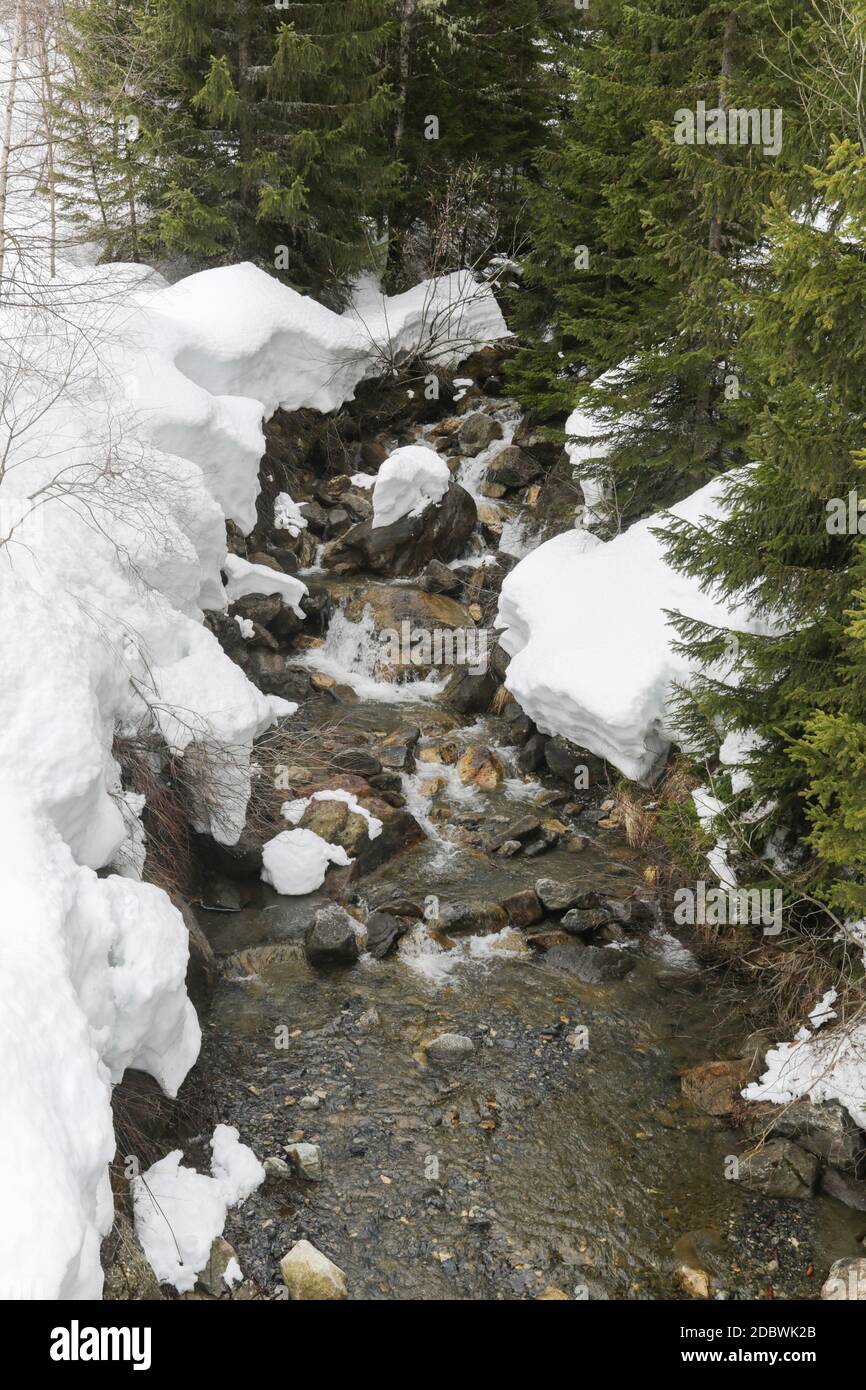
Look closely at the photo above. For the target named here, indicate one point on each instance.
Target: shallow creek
(537, 1161)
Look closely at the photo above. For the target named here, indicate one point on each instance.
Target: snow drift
(134, 412)
(592, 650)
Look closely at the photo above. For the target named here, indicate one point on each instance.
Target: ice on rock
(409, 480)
(592, 648)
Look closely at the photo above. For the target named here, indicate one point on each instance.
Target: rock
(128, 1273)
(580, 921)
(552, 1295)
(277, 1171)
(468, 691)
(357, 760)
(556, 896)
(257, 608)
(408, 545)
(695, 1282)
(433, 786)
(238, 861)
(594, 965)
(415, 629)
(481, 767)
(512, 467)
(476, 432)
(846, 1280)
(450, 1047)
(310, 1276)
(531, 756)
(779, 1169)
(220, 1261)
(439, 579)
(826, 1130)
(520, 830)
(474, 917)
(713, 1087)
(320, 680)
(306, 1160)
(331, 940)
(523, 908)
(563, 758)
(630, 912)
(845, 1189)
(509, 849)
(383, 931)
(544, 941)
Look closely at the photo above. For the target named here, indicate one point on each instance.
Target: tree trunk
(727, 68)
(7, 131)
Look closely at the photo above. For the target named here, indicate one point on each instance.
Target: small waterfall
(352, 654)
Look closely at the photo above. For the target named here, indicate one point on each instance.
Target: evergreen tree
(479, 90)
(647, 243)
(792, 545)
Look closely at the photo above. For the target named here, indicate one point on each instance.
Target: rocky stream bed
(477, 1061)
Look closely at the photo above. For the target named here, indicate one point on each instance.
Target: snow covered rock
(179, 1212)
(296, 861)
(592, 649)
(246, 578)
(409, 480)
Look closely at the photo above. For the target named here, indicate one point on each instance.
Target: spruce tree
(280, 155)
(646, 245)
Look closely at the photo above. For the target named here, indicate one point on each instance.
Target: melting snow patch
(410, 480)
(296, 861)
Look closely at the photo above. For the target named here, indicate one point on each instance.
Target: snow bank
(409, 480)
(179, 1213)
(591, 647)
(296, 861)
(134, 414)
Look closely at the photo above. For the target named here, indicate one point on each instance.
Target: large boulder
(477, 431)
(513, 468)
(407, 546)
(825, 1130)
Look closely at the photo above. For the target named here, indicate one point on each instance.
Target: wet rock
(476, 432)
(481, 767)
(845, 1189)
(694, 1282)
(580, 921)
(524, 908)
(257, 608)
(846, 1280)
(509, 849)
(594, 965)
(714, 1086)
(310, 1276)
(512, 467)
(474, 917)
(383, 932)
(779, 1169)
(519, 830)
(556, 896)
(407, 546)
(531, 756)
(552, 1294)
(222, 1262)
(419, 631)
(315, 516)
(468, 691)
(357, 760)
(450, 1047)
(826, 1130)
(439, 579)
(306, 1159)
(238, 861)
(630, 912)
(544, 941)
(433, 786)
(331, 940)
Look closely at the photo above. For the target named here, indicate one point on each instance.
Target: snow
(296, 861)
(292, 811)
(410, 479)
(592, 650)
(243, 578)
(179, 1212)
(828, 1067)
(287, 515)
